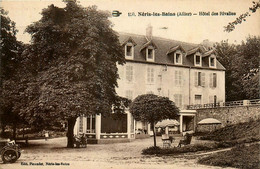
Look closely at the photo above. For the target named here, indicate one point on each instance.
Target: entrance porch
(110, 129)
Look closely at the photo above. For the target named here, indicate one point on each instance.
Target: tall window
(150, 75)
(197, 60)
(91, 124)
(81, 124)
(129, 94)
(178, 58)
(149, 54)
(199, 79)
(129, 73)
(212, 61)
(178, 77)
(178, 100)
(213, 79)
(129, 51)
(198, 99)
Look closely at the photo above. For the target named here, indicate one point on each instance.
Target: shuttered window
(129, 73)
(178, 100)
(213, 79)
(150, 75)
(200, 79)
(178, 78)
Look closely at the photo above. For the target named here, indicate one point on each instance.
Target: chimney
(149, 32)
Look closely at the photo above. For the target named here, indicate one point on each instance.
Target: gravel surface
(53, 154)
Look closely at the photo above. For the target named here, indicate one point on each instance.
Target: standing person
(46, 135)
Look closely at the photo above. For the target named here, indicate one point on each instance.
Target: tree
(227, 53)
(11, 50)
(232, 25)
(152, 108)
(241, 63)
(72, 62)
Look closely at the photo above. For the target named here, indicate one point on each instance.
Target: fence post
(246, 102)
(221, 104)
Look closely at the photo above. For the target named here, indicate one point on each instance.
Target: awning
(167, 122)
(209, 121)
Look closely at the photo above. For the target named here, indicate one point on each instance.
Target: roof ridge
(160, 38)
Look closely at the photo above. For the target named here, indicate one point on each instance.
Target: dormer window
(150, 54)
(129, 51)
(212, 61)
(197, 59)
(178, 57)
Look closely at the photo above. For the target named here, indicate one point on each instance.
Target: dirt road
(52, 154)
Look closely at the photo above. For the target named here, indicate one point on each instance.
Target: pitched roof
(163, 46)
(173, 49)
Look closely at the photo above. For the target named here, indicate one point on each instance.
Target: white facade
(177, 83)
(186, 73)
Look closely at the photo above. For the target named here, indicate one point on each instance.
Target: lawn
(246, 157)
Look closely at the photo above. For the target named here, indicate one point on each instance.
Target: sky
(193, 29)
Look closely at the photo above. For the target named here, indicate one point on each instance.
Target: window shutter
(203, 79)
(215, 80)
(211, 80)
(176, 78)
(181, 79)
(148, 75)
(196, 78)
(152, 75)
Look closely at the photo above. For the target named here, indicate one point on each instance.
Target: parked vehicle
(10, 151)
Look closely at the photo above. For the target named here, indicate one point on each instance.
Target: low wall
(227, 115)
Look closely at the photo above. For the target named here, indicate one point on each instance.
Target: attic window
(150, 54)
(178, 58)
(212, 62)
(129, 51)
(197, 60)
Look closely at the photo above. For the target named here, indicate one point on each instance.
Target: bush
(179, 150)
(151, 150)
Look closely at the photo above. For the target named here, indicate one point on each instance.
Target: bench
(186, 140)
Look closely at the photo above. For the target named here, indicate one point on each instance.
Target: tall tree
(241, 63)
(73, 62)
(227, 53)
(10, 59)
(152, 108)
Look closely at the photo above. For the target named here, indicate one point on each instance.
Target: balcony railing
(225, 104)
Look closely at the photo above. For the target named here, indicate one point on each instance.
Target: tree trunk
(70, 132)
(14, 131)
(154, 135)
(3, 130)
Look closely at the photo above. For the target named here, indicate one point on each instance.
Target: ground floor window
(81, 124)
(91, 124)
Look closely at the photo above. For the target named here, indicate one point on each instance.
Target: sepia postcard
(130, 84)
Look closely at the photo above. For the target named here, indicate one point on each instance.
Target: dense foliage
(71, 67)
(152, 109)
(242, 68)
(11, 50)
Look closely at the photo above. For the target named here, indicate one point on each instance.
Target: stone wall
(227, 115)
